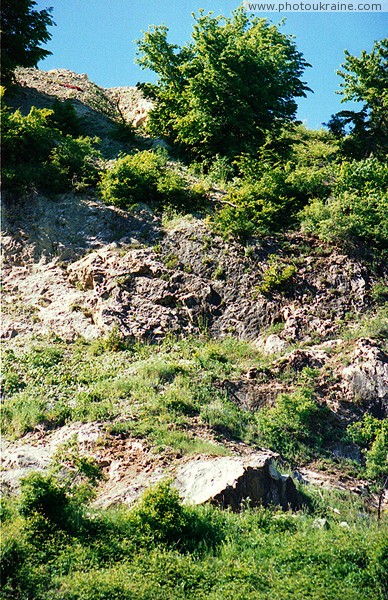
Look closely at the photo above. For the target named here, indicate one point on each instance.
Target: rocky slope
(78, 268)
(100, 109)
(127, 270)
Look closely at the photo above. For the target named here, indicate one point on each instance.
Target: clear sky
(97, 37)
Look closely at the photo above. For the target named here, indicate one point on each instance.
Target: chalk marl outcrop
(365, 380)
(131, 104)
(230, 482)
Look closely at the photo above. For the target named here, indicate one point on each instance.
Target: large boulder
(229, 482)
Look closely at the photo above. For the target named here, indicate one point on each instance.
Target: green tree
(23, 29)
(225, 90)
(365, 80)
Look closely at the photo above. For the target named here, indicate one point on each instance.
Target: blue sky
(97, 37)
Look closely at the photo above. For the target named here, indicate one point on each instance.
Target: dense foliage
(358, 207)
(227, 99)
(23, 30)
(39, 151)
(147, 177)
(366, 81)
(54, 546)
(221, 93)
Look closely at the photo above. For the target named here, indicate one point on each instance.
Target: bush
(220, 170)
(372, 435)
(161, 515)
(309, 182)
(26, 139)
(133, 179)
(146, 177)
(349, 218)
(358, 208)
(75, 162)
(123, 132)
(260, 203)
(41, 496)
(160, 518)
(361, 176)
(296, 426)
(250, 212)
(65, 118)
(277, 276)
(37, 155)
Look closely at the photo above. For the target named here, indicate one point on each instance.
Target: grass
(161, 549)
(153, 392)
(372, 325)
(172, 395)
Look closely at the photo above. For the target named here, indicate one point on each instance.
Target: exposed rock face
(100, 109)
(118, 103)
(17, 460)
(300, 359)
(147, 293)
(131, 104)
(365, 380)
(66, 85)
(273, 344)
(229, 482)
(130, 468)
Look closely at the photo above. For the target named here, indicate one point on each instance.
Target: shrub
(379, 292)
(349, 217)
(160, 518)
(250, 212)
(27, 138)
(296, 426)
(41, 495)
(361, 175)
(372, 435)
(358, 208)
(75, 161)
(277, 276)
(123, 132)
(220, 170)
(259, 204)
(37, 155)
(146, 177)
(309, 182)
(161, 515)
(65, 118)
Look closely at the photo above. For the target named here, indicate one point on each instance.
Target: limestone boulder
(231, 481)
(273, 344)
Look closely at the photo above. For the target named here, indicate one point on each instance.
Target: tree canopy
(23, 29)
(365, 80)
(224, 91)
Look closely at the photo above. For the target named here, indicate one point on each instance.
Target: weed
(171, 261)
(276, 276)
(219, 273)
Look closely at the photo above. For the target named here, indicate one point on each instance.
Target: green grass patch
(162, 549)
(153, 392)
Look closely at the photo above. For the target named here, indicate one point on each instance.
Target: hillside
(141, 343)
